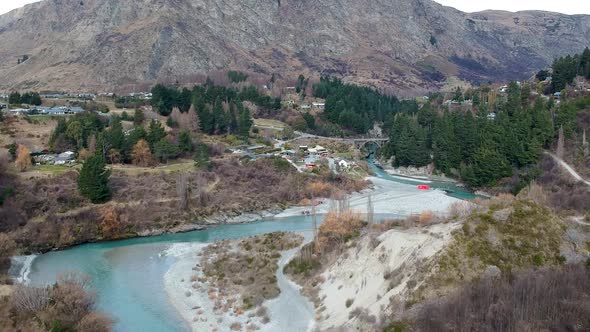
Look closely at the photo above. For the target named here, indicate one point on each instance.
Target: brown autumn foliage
(113, 223)
(427, 217)
(337, 228)
(67, 304)
(533, 300)
(142, 155)
(231, 188)
(320, 189)
(83, 154)
(23, 158)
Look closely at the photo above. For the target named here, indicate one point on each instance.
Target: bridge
(358, 143)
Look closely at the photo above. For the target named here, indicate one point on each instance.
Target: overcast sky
(562, 6)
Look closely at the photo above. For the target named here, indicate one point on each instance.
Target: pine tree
(138, 117)
(116, 134)
(245, 123)
(12, 149)
(202, 159)
(185, 142)
(219, 119)
(490, 165)
(156, 133)
(93, 181)
(14, 98)
(165, 150)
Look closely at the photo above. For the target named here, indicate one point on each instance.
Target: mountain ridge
(403, 46)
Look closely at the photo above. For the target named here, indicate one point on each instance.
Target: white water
(20, 268)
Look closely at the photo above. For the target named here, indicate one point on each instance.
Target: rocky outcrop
(401, 45)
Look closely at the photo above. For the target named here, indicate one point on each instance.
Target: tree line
(478, 149)
(565, 69)
(355, 108)
(29, 98)
(98, 142)
(220, 109)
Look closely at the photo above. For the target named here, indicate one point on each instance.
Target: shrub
(349, 302)
(337, 228)
(546, 300)
(426, 217)
(538, 260)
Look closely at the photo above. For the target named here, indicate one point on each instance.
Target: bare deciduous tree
(182, 189)
(27, 299)
(561, 143)
(534, 300)
(23, 158)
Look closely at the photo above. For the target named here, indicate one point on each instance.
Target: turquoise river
(128, 276)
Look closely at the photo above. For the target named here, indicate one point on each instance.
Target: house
(343, 164)
(557, 95)
(305, 107)
(19, 111)
(67, 157)
(88, 96)
(491, 116)
(318, 105)
(255, 148)
(318, 151)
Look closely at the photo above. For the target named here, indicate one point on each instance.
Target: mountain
(403, 45)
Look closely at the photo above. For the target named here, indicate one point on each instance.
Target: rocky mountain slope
(404, 45)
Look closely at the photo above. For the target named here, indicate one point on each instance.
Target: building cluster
(40, 110)
(45, 158)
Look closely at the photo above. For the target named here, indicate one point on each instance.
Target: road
(568, 168)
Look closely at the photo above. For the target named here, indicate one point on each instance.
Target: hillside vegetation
(406, 46)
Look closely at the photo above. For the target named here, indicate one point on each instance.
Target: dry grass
(535, 193)
(269, 123)
(49, 212)
(563, 194)
(337, 228)
(247, 268)
(68, 305)
(33, 134)
(462, 209)
(510, 234)
(552, 300)
(427, 217)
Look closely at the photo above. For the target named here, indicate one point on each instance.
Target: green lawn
(53, 169)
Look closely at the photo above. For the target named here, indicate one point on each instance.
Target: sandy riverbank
(290, 311)
(389, 198)
(365, 281)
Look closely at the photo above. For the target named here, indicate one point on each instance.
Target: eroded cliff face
(404, 45)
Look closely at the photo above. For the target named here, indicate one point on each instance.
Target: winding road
(568, 168)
